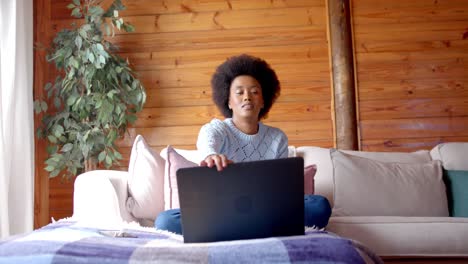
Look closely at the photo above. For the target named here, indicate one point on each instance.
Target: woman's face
(245, 97)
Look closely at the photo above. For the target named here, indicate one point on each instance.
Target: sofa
(400, 205)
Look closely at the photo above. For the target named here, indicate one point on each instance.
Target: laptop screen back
(245, 200)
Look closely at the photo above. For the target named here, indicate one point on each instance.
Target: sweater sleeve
(211, 138)
(283, 145)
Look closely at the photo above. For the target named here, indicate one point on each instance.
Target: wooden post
(341, 49)
(41, 73)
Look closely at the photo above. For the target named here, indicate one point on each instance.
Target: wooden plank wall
(411, 68)
(176, 48)
(411, 64)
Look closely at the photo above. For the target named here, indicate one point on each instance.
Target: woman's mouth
(248, 106)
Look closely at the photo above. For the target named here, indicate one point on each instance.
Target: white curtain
(16, 117)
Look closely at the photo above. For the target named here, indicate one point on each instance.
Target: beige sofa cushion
(406, 236)
(365, 187)
(324, 175)
(454, 155)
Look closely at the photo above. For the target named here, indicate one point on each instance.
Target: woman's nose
(246, 97)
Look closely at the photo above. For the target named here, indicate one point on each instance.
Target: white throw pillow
(146, 181)
(365, 187)
(452, 154)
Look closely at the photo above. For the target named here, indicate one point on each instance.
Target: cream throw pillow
(365, 187)
(145, 182)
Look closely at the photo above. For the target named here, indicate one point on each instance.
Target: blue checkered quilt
(69, 242)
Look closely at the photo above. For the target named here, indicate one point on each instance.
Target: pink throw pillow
(174, 161)
(309, 173)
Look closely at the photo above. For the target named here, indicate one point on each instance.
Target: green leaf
(57, 102)
(117, 24)
(72, 99)
(44, 106)
(107, 29)
(118, 155)
(48, 86)
(76, 2)
(108, 160)
(102, 59)
(102, 156)
(129, 27)
(76, 12)
(58, 130)
(131, 119)
(78, 42)
(67, 147)
(54, 174)
(52, 139)
(99, 46)
(37, 107)
(91, 57)
(71, 6)
(52, 150)
(49, 168)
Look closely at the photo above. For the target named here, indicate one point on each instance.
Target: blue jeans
(317, 212)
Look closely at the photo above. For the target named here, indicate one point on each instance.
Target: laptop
(245, 200)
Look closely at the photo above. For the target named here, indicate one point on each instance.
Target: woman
(244, 89)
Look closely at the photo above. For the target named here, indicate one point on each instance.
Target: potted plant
(95, 95)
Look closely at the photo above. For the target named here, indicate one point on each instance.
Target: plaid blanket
(69, 242)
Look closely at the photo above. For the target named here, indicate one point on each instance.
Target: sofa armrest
(100, 196)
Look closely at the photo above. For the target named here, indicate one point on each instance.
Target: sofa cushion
(452, 155)
(174, 161)
(145, 181)
(365, 187)
(457, 192)
(406, 236)
(323, 179)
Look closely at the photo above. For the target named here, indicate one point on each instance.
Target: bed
(67, 241)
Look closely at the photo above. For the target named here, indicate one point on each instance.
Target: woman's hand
(218, 160)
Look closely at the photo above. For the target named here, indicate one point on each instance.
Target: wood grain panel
(449, 68)
(407, 145)
(60, 198)
(414, 108)
(60, 214)
(211, 58)
(394, 14)
(402, 4)
(369, 58)
(423, 31)
(218, 20)
(42, 12)
(241, 38)
(409, 89)
(187, 135)
(199, 115)
(144, 7)
(307, 72)
(414, 128)
(177, 46)
(440, 45)
(201, 95)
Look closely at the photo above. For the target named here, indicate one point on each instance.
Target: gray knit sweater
(223, 137)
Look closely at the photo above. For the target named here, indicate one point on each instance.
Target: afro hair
(244, 65)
